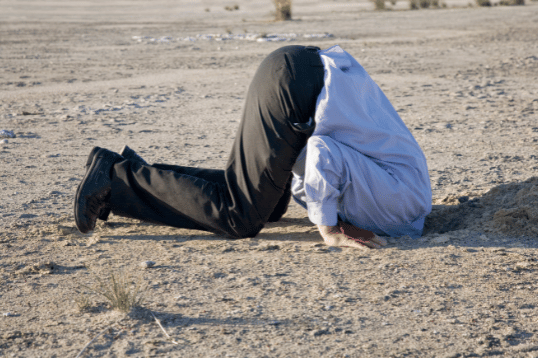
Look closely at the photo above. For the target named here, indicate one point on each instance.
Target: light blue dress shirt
(361, 163)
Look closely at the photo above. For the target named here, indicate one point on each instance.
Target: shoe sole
(105, 213)
(90, 184)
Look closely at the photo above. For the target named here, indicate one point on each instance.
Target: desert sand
(168, 78)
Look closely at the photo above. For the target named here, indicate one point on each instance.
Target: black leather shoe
(105, 212)
(126, 153)
(93, 191)
(130, 154)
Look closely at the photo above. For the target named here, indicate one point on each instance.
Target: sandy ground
(74, 74)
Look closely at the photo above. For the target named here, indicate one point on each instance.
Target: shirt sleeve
(324, 179)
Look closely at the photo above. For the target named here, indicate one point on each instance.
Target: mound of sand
(511, 209)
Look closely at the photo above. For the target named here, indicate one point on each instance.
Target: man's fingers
(351, 236)
(362, 236)
(376, 246)
(355, 244)
(380, 240)
(374, 243)
(371, 245)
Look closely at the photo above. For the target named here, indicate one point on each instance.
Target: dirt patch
(510, 209)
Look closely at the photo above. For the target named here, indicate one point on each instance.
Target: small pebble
(319, 332)
(4, 133)
(521, 266)
(147, 264)
(65, 230)
(440, 239)
(268, 248)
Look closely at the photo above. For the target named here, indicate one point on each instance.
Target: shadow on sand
(506, 215)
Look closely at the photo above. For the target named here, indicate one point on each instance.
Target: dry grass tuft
(424, 4)
(379, 4)
(120, 290)
(231, 8)
(283, 10)
(511, 2)
(83, 303)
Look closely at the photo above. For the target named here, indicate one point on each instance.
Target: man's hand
(347, 235)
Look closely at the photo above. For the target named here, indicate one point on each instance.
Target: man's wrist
(323, 213)
(328, 229)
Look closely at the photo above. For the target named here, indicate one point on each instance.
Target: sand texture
(168, 78)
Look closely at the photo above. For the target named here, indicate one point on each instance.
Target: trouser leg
(218, 176)
(213, 175)
(281, 99)
(273, 130)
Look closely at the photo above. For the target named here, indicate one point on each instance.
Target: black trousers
(240, 199)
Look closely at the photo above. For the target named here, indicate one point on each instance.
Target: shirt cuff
(323, 213)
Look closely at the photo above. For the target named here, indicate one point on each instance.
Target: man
(281, 113)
